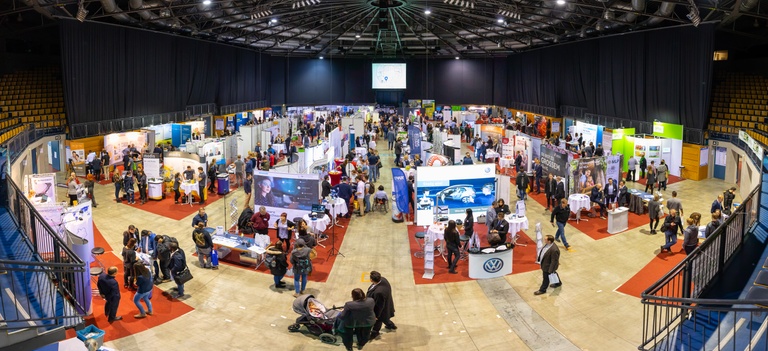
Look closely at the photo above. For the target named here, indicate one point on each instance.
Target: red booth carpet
(654, 270)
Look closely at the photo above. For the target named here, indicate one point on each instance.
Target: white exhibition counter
(490, 263)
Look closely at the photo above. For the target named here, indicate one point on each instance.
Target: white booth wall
(750, 175)
(23, 164)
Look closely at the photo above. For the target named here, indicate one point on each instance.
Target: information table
(240, 249)
(506, 162)
(618, 220)
(490, 263)
(317, 226)
(155, 189)
(516, 224)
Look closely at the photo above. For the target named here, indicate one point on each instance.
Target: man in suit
(500, 226)
(597, 198)
(549, 258)
(610, 192)
(550, 188)
(560, 192)
(326, 187)
(717, 205)
(110, 291)
(344, 191)
(384, 307)
(623, 194)
(538, 171)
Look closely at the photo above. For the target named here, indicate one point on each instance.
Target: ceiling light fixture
(457, 57)
(81, 11)
(470, 4)
(260, 12)
(693, 16)
(500, 20)
(321, 57)
(357, 35)
(427, 12)
(274, 20)
(561, 2)
(510, 11)
(206, 2)
(303, 3)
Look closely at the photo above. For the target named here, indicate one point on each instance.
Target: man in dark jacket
(522, 185)
(499, 226)
(519, 162)
(163, 255)
(597, 198)
(549, 256)
(550, 189)
(200, 217)
(344, 191)
(326, 187)
(538, 172)
(560, 192)
(110, 291)
(201, 183)
(204, 244)
(177, 264)
(561, 214)
(728, 197)
(670, 227)
(599, 151)
(384, 307)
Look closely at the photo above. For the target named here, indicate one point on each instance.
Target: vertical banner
(535, 149)
(508, 146)
(523, 144)
(400, 190)
(414, 139)
(151, 166)
(553, 160)
(613, 167)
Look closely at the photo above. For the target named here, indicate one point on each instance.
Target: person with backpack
(204, 245)
(302, 266)
(277, 263)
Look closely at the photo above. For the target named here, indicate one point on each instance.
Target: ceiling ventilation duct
(111, 8)
(746, 5)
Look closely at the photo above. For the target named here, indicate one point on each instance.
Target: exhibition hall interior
(383, 175)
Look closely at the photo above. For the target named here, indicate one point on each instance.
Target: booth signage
(493, 265)
(400, 189)
(553, 161)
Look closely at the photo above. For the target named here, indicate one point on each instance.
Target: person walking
(650, 181)
(176, 265)
(302, 266)
(248, 188)
(109, 290)
(390, 138)
(239, 171)
(203, 245)
(560, 192)
(277, 263)
(163, 254)
(662, 175)
(144, 291)
(560, 216)
(176, 186)
(384, 307)
(128, 187)
(452, 243)
(549, 258)
(643, 163)
(675, 204)
(670, 227)
(357, 319)
(653, 212)
(690, 236)
(522, 185)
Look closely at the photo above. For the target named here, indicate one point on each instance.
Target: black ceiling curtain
(112, 72)
(660, 74)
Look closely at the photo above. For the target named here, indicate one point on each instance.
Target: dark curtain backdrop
(111, 72)
(660, 74)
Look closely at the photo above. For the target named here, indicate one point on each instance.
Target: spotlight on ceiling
(469, 4)
(457, 57)
(274, 20)
(510, 11)
(307, 47)
(450, 19)
(260, 12)
(693, 16)
(500, 20)
(206, 2)
(357, 35)
(560, 2)
(427, 12)
(321, 57)
(304, 3)
(81, 11)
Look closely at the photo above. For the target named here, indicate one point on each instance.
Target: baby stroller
(318, 319)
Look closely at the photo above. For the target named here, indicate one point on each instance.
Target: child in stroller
(318, 319)
(380, 199)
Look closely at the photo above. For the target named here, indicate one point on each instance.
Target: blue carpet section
(30, 289)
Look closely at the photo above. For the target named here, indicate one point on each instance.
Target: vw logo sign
(487, 169)
(493, 265)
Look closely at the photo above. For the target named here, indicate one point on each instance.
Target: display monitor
(388, 75)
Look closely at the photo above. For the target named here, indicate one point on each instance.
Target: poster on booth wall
(586, 173)
(291, 193)
(52, 214)
(523, 145)
(151, 166)
(177, 161)
(119, 143)
(535, 149)
(613, 167)
(429, 108)
(553, 160)
(495, 132)
(40, 188)
(508, 146)
(450, 191)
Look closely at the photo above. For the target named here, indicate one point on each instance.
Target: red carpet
(523, 258)
(99, 241)
(654, 270)
(322, 264)
(670, 179)
(595, 228)
(164, 308)
(167, 208)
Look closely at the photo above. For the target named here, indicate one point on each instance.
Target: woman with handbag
(178, 267)
(302, 266)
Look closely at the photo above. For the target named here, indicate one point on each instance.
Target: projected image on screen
(388, 75)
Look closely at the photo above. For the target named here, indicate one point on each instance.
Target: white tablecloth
(435, 232)
(361, 151)
(577, 202)
(506, 162)
(517, 224)
(278, 147)
(337, 207)
(317, 225)
(490, 154)
(189, 187)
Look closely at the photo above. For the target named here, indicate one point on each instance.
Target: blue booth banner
(400, 190)
(414, 139)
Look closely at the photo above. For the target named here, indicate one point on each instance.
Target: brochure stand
(429, 258)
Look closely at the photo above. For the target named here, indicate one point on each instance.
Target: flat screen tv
(388, 75)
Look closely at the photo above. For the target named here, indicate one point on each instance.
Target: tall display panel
(450, 191)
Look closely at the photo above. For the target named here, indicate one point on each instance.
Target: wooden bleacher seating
(740, 102)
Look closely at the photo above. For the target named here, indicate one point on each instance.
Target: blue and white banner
(400, 190)
(414, 139)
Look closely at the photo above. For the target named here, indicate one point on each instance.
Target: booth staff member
(201, 184)
(501, 227)
(632, 168)
(189, 174)
(201, 217)
(260, 221)
(610, 191)
(597, 198)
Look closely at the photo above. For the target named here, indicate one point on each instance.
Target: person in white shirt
(360, 194)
